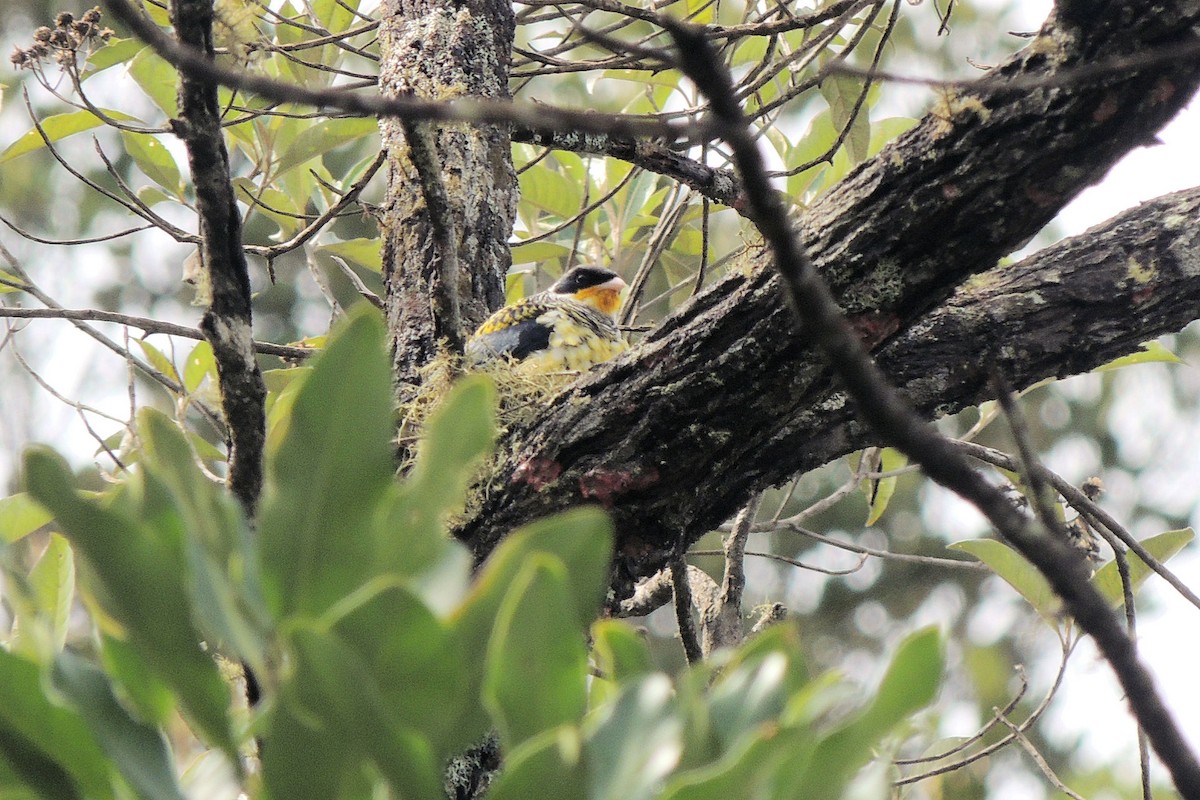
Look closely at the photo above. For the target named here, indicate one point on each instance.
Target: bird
(568, 327)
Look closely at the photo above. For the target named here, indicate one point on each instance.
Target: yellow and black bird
(569, 326)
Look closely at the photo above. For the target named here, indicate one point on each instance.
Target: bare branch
(144, 324)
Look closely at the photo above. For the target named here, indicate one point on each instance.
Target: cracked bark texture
(439, 50)
(721, 400)
(227, 320)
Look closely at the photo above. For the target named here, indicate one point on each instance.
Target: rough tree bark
(721, 400)
(440, 50)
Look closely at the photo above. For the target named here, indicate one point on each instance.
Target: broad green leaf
(301, 757)
(748, 696)
(550, 762)
(409, 532)
(280, 207)
(150, 696)
(52, 581)
(635, 742)
(115, 51)
(224, 587)
(328, 474)
(56, 128)
(581, 539)
(200, 364)
(844, 94)
(537, 252)
(1151, 352)
(46, 744)
(1161, 546)
(158, 360)
(551, 191)
(525, 695)
(415, 662)
(364, 253)
(140, 576)
(157, 79)
(319, 139)
(911, 683)
(1018, 573)
(335, 687)
(620, 652)
(881, 491)
(139, 751)
(154, 160)
(21, 515)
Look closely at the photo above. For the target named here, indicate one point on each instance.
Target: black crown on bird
(568, 326)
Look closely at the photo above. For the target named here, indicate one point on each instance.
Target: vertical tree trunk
(439, 49)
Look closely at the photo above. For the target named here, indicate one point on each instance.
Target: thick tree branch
(722, 399)
(898, 424)
(227, 321)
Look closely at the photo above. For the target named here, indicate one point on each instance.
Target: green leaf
(158, 360)
(300, 756)
(150, 696)
(911, 683)
(224, 588)
(1017, 573)
(140, 574)
(52, 583)
(139, 751)
(581, 539)
(157, 79)
(525, 695)
(317, 140)
(329, 474)
(154, 160)
(417, 665)
(1161, 546)
(17, 285)
(21, 515)
(409, 533)
(56, 128)
(364, 253)
(620, 652)
(334, 686)
(537, 252)
(551, 191)
(115, 51)
(200, 364)
(1151, 352)
(635, 742)
(842, 93)
(548, 764)
(47, 745)
(881, 491)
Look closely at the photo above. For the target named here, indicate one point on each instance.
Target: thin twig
(683, 611)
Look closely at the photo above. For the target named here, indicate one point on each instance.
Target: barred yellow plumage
(567, 327)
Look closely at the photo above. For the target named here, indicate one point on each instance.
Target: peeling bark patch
(1043, 198)
(1107, 109)
(604, 484)
(538, 473)
(1163, 91)
(873, 328)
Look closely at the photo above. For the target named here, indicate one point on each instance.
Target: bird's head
(595, 286)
